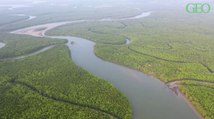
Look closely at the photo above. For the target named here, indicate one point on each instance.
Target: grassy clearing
(49, 85)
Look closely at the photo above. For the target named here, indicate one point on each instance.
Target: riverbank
(174, 86)
(38, 31)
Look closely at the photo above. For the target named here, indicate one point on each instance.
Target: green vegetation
(18, 102)
(165, 45)
(168, 54)
(94, 33)
(17, 45)
(201, 95)
(50, 85)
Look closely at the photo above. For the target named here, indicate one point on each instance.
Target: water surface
(149, 97)
(2, 45)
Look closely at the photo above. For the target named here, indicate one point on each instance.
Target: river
(149, 97)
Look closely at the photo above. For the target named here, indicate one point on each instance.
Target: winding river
(149, 97)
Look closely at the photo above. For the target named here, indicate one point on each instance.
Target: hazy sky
(153, 4)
